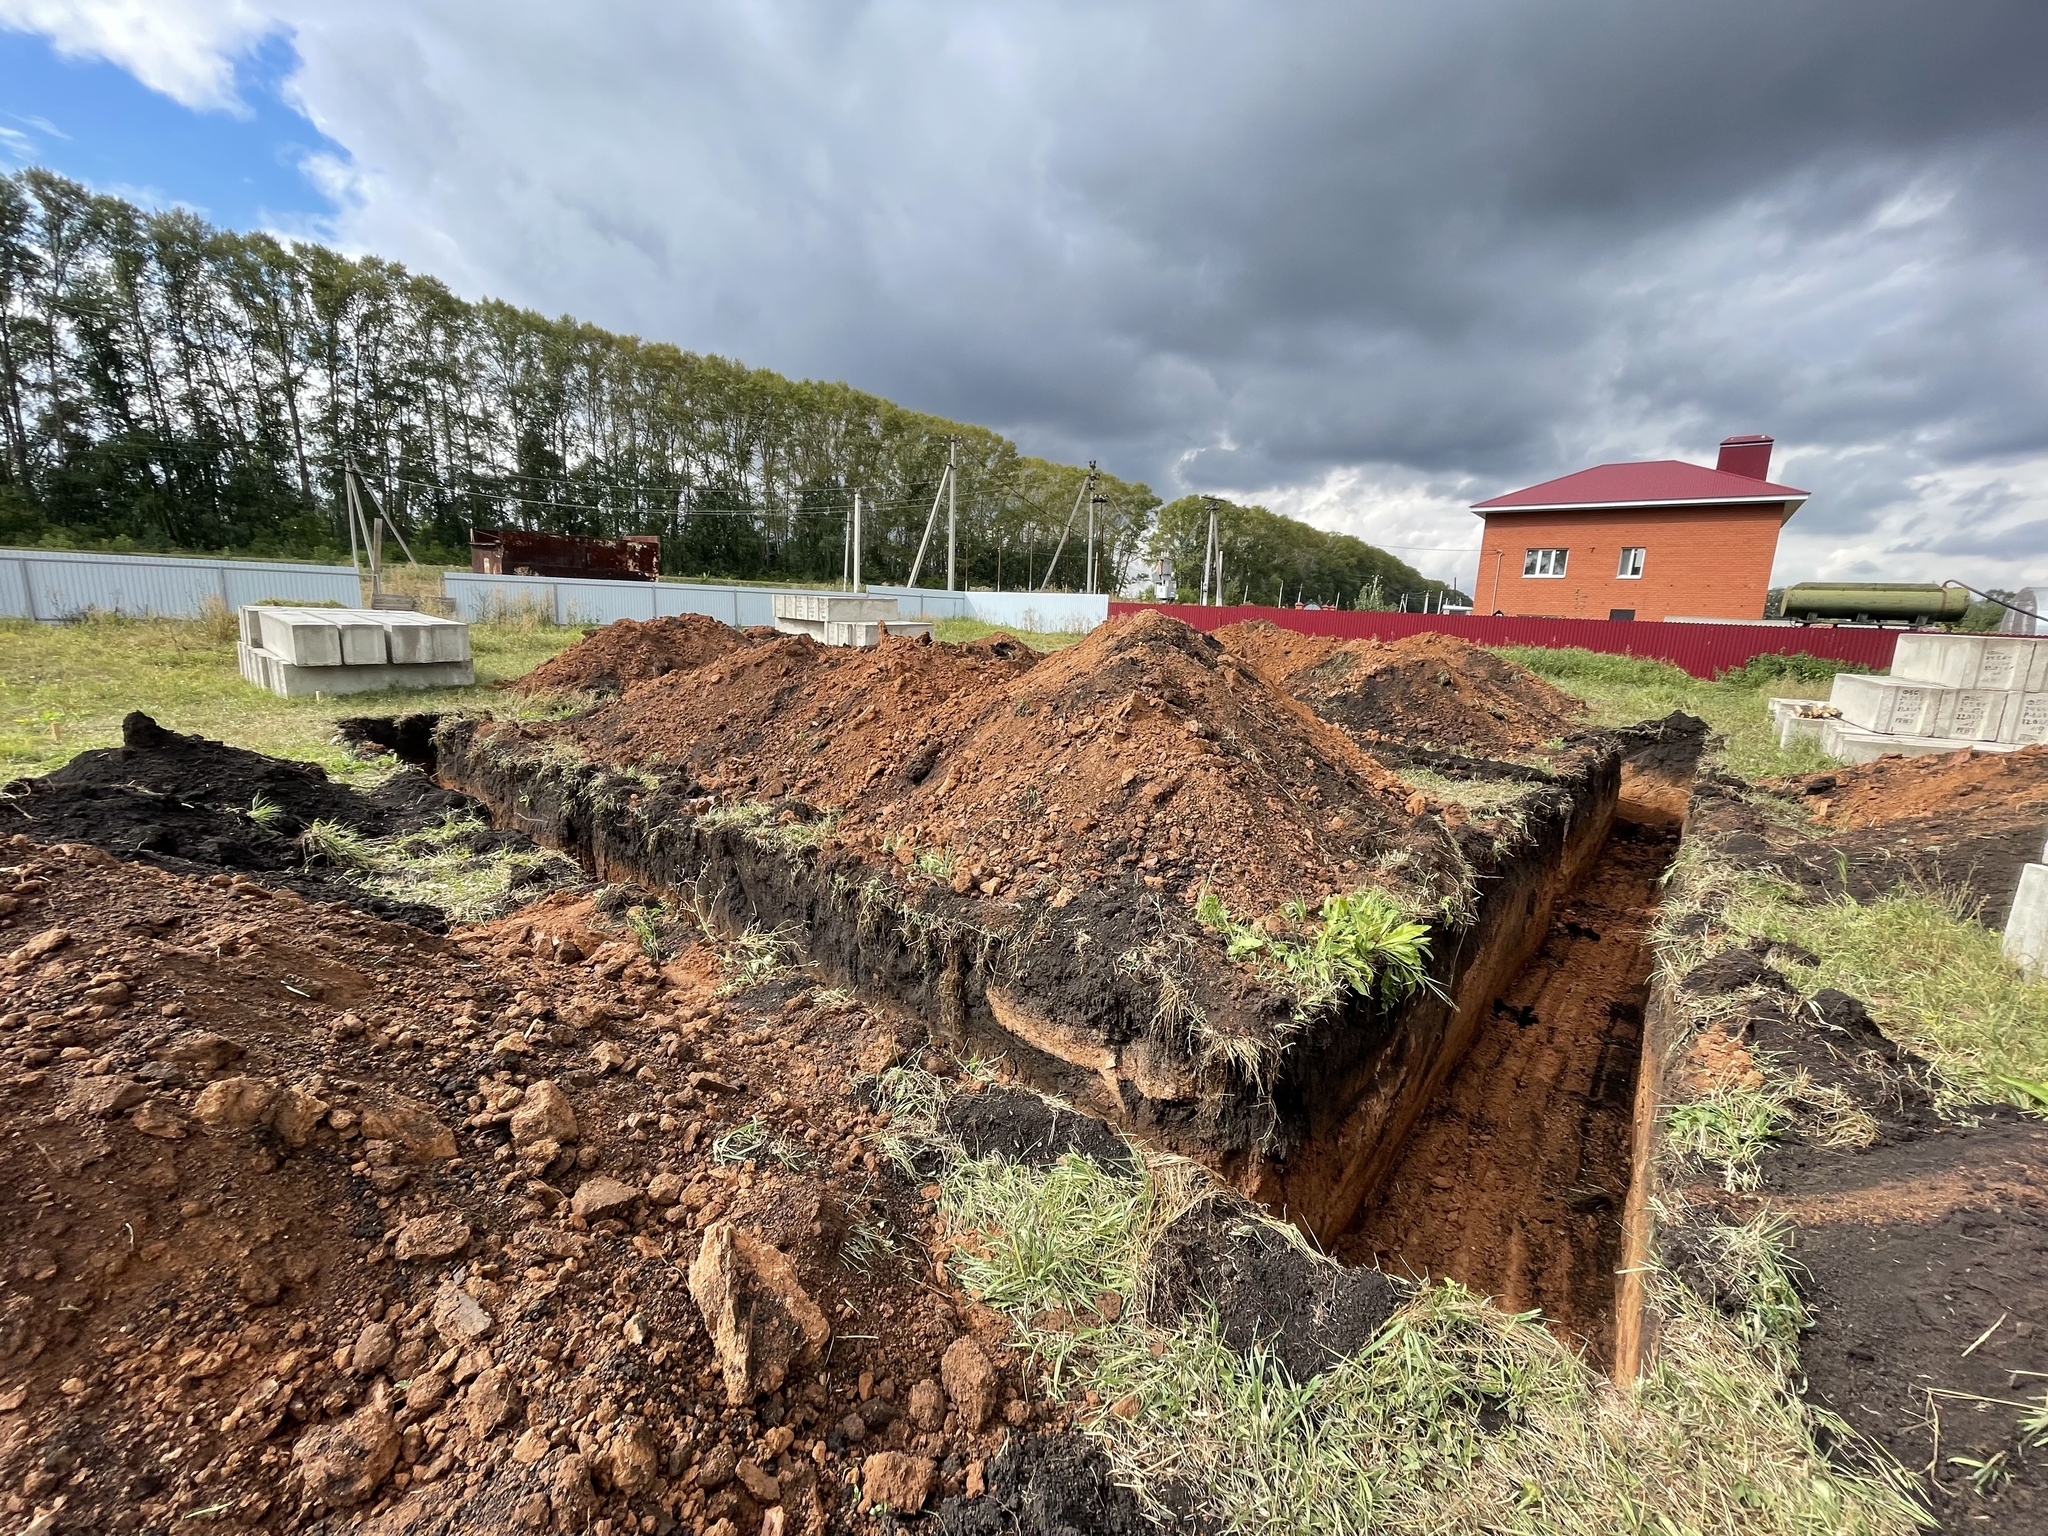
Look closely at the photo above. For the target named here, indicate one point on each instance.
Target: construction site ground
(332, 1210)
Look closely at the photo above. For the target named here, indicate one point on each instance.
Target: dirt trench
(1514, 1180)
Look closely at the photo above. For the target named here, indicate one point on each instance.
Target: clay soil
(272, 1227)
(612, 659)
(1425, 690)
(1513, 1180)
(1137, 758)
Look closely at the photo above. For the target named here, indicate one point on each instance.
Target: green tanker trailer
(1876, 602)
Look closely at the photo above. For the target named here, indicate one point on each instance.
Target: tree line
(167, 384)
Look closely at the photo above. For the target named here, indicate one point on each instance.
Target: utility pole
(855, 587)
(1094, 563)
(1087, 490)
(1209, 554)
(952, 506)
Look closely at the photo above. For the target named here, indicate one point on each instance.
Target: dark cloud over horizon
(1368, 262)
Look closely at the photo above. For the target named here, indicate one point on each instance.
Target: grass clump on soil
(65, 687)
(1456, 1417)
(1622, 690)
(1360, 941)
(438, 866)
(780, 830)
(1939, 981)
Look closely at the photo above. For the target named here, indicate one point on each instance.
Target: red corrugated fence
(1704, 650)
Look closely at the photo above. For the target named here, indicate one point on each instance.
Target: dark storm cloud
(1374, 261)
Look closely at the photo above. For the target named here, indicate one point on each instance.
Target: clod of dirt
(1733, 970)
(1426, 690)
(761, 1321)
(1047, 1485)
(1267, 1290)
(612, 659)
(1022, 1128)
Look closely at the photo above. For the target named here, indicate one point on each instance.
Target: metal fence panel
(54, 585)
(1704, 650)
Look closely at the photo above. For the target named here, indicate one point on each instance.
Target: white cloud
(184, 48)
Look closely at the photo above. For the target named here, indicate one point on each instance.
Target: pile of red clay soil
(1147, 752)
(1429, 690)
(1978, 786)
(612, 659)
(329, 1220)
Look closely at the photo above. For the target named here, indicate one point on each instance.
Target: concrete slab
(420, 638)
(303, 637)
(833, 607)
(1887, 705)
(2006, 662)
(2026, 929)
(2026, 719)
(1847, 742)
(292, 681)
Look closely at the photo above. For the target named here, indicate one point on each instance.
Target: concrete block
(1800, 720)
(833, 607)
(2026, 929)
(420, 638)
(1948, 661)
(1975, 714)
(304, 637)
(2026, 719)
(362, 641)
(291, 681)
(2013, 663)
(1892, 707)
(1847, 742)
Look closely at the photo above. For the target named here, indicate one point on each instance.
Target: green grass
(1621, 690)
(960, 631)
(1937, 980)
(65, 687)
(1458, 1417)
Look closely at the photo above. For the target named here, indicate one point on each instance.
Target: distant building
(1656, 540)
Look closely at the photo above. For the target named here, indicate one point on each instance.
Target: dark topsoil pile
(1145, 753)
(612, 659)
(1924, 1252)
(1428, 690)
(1968, 820)
(201, 807)
(332, 1223)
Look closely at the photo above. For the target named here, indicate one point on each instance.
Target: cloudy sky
(1366, 263)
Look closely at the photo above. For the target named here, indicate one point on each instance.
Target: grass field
(1621, 690)
(65, 687)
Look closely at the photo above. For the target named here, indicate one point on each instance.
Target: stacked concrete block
(299, 651)
(1945, 693)
(2026, 927)
(833, 618)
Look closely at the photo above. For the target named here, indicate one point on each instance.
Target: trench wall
(1313, 1144)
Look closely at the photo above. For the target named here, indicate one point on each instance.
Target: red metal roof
(1656, 482)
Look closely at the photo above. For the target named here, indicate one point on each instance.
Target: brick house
(1656, 540)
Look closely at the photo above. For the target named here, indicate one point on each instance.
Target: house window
(1631, 565)
(1543, 562)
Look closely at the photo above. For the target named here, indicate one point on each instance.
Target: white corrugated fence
(55, 585)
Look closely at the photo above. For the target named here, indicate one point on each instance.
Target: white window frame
(1621, 566)
(1536, 561)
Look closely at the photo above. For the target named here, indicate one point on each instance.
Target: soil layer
(1514, 1179)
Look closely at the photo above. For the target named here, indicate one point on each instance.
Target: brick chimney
(1749, 456)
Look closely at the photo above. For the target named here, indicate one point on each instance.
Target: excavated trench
(1484, 1135)
(1515, 1179)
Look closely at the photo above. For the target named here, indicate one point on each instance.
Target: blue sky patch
(96, 123)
